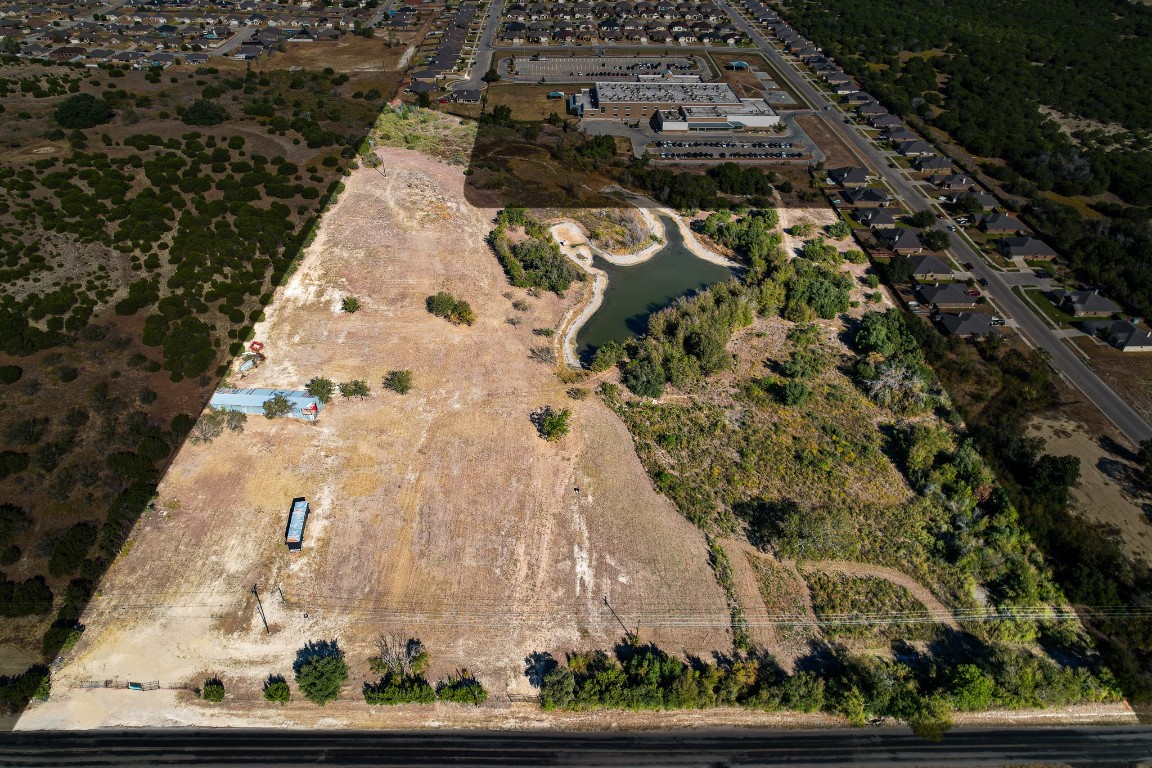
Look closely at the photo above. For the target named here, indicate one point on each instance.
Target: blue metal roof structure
(294, 533)
(304, 405)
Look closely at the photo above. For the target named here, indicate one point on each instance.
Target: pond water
(636, 292)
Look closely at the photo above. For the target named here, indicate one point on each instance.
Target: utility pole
(260, 607)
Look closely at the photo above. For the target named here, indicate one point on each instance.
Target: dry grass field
(440, 514)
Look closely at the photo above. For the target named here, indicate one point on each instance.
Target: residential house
(866, 197)
(1129, 337)
(876, 217)
(1028, 248)
(999, 223)
(952, 181)
(931, 268)
(900, 240)
(916, 149)
(965, 324)
(848, 177)
(928, 164)
(945, 297)
(1085, 303)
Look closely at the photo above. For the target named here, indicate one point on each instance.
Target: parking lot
(726, 149)
(562, 69)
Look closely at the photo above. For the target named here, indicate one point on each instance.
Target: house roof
(1127, 335)
(848, 175)
(900, 237)
(930, 265)
(947, 295)
(1001, 222)
(876, 217)
(1087, 301)
(865, 195)
(255, 398)
(965, 323)
(1025, 247)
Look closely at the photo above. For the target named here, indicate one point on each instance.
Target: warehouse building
(304, 405)
(673, 103)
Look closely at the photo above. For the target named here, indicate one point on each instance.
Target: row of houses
(167, 27)
(451, 40)
(543, 23)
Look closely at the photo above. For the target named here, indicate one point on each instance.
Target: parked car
(984, 282)
(952, 229)
(973, 292)
(968, 265)
(996, 321)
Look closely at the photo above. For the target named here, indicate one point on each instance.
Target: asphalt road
(1066, 362)
(484, 50)
(1104, 746)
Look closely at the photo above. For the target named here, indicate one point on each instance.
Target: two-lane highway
(1062, 359)
(962, 748)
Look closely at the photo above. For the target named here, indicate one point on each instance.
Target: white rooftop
(666, 92)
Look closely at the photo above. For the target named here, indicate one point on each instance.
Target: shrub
(447, 306)
(321, 388)
(204, 112)
(276, 689)
(276, 406)
(213, 690)
(793, 392)
(351, 304)
(320, 671)
(355, 388)
(82, 111)
(208, 427)
(462, 689)
(399, 381)
(399, 689)
(10, 374)
(551, 424)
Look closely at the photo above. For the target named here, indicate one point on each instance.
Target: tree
(424, 99)
(204, 112)
(551, 424)
(355, 388)
(607, 355)
(235, 421)
(208, 427)
(320, 671)
(922, 219)
(276, 689)
(456, 311)
(464, 688)
(277, 405)
(492, 76)
(82, 111)
(936, 240)
(399, 381)
(350, 304)
(644, 376)
(396, 655)
(321, 388)
(840, 230)
(1144, 458)
(793, 392)
(213, 690)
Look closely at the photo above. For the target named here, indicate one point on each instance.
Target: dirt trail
(938, 610)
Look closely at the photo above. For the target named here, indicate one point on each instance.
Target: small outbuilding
(304, 405)
(297, 518)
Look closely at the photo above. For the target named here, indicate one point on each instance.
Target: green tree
(82, 111)
(355, 388)
(235, 421)
(464, 688)
(321, 388)
(839, 230)
(936, 240)
(644, 376)
(492, 76)
(793, 392)
(922, 219)
(320, 671)
(351, 304)
(1144, 459)
(607, 355)
(276, 689)
(213, 690)
(208, 427)
(552, 424)
(204, 112)
(276, 406)
(399, 381)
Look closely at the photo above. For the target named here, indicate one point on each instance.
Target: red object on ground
(256, 346)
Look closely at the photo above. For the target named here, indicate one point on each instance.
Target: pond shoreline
(578, 247)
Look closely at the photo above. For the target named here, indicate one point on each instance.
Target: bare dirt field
(837, 154)
(440, 514)
(1107, 491)
(1129, 373)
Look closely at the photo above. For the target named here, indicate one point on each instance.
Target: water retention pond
(636, 292)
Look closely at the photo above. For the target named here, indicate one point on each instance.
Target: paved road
(1104, 746)
(484, 49)
(1065, 361)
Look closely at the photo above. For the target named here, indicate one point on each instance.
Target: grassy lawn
(530, 102)
(1039, 299)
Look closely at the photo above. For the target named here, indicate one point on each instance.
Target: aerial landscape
(572, 367)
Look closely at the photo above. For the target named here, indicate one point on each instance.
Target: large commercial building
(673, 103)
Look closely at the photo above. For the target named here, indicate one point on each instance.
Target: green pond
(636, 292)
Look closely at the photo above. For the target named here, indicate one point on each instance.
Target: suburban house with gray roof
(1026, 248)
(965, 324)
(925, 268)
(1085, 303)
(946, 296)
